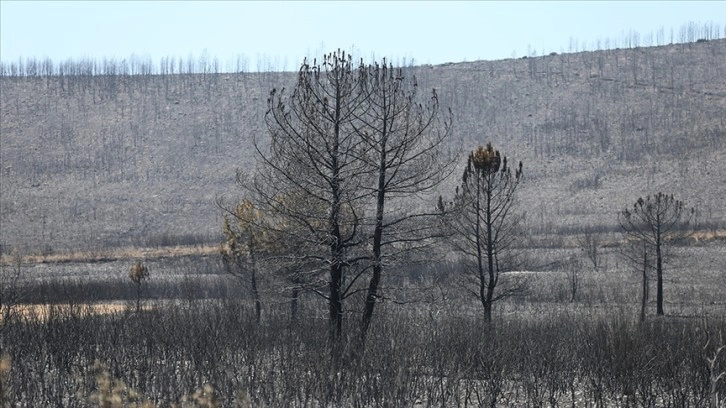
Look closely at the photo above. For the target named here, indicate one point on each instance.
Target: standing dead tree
(485, 222)
(403, 140)
(313, 154)
(590, 245)
(350, 141)
(656, 222)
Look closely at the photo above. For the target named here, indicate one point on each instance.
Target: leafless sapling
(589, 244)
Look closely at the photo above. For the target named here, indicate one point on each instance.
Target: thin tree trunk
(644, 299)
(370, 304)
(335, 301)
(490, 258)
(659, 272)
(335, 304)
(479, 256)
(573, 283)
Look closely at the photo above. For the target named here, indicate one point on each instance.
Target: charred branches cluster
(352, 155)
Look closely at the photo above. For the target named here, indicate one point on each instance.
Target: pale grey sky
(284, 32)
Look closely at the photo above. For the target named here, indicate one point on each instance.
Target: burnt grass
(431, 349)
(415, 355)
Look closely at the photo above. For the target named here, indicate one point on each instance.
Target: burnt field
(73, 338)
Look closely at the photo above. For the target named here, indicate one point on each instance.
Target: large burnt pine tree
(313, 155)
(360, 154)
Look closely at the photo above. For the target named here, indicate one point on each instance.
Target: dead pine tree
(313, 154)
(484, 223)
(139, 274)
(350, 138)
(403, 138)
(656, 222)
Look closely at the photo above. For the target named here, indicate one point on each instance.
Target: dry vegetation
(558, 358)
(542, 349)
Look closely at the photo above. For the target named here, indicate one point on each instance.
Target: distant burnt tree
(656, 222)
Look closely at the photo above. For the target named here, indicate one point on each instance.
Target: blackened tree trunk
(335, 305)
(375, 280)
(491, 282)
(644, 298)
(659, 276)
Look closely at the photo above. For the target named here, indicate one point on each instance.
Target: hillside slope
(111, 160)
